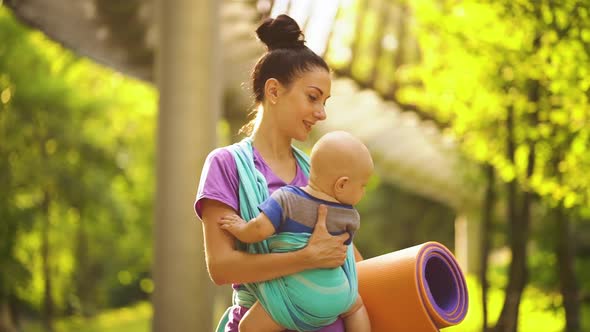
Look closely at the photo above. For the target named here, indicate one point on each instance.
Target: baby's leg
(258, 320)
(357, 318)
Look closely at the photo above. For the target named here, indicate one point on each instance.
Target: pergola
(185, 46)
(411, 149)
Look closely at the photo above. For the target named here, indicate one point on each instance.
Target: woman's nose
(321, 114)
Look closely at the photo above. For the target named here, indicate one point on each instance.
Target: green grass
(534, 315)
(131, 319)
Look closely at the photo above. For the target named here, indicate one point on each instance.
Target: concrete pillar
(189, 82)
(468, 241)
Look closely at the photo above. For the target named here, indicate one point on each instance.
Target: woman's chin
(303, 138)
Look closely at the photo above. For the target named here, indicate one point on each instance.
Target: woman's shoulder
(225, 153)
(221, 157)
(221, 153)
(219, 163)
(219, 179)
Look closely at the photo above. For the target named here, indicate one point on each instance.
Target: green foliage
(393, 219)
(509, 81)
(481, 60)
(76, 162)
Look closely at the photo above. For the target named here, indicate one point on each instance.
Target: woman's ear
(271, 90)
(340, 184)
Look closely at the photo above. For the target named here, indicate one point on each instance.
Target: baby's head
(341, 166)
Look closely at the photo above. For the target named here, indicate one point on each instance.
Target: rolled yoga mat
(418, 289)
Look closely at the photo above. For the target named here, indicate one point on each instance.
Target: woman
(290, 84)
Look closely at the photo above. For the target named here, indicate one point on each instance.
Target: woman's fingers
(321, 220)
(321, 230)
(336, 257)
(325, 249)
(343, 237)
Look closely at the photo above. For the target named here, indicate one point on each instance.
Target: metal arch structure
(122, 35)
(410, 148)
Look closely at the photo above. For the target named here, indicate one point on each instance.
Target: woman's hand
(325, 250)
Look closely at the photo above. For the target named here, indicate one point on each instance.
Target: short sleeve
(353, 226)
(219, 180)
(355, 222)
(272, 207)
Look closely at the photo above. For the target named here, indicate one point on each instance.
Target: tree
(510, 96)
(66, 176)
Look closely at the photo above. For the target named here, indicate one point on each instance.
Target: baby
(340, 169)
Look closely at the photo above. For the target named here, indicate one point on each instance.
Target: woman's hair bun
(281, 32)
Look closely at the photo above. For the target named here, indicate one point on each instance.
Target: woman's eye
(313, 98)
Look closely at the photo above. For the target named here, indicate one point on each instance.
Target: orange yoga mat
(418, 289)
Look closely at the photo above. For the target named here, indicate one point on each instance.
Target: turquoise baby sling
(313, 298)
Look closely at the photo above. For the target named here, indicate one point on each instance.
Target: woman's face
(301, 105)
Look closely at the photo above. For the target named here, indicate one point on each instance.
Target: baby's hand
(233, 224)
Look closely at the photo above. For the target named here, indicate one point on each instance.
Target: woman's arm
(226, 264)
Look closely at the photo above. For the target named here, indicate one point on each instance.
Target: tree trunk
(7, 324)
(48, 307)
(567, 277)
(519, 225)
(189, 81)
(361, 10)
(519, 233)
(487, 217)
(508, 320)
(86, 273)
(81, 266)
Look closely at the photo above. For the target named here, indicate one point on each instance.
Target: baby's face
(354, 189)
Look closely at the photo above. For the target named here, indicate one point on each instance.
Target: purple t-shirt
(219, 181)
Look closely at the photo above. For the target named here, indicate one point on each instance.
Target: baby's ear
(341, 183)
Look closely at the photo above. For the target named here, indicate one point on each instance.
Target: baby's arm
(253, 231)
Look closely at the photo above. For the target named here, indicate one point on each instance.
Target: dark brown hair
(286, 58)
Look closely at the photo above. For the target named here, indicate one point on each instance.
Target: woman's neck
(271, 144)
